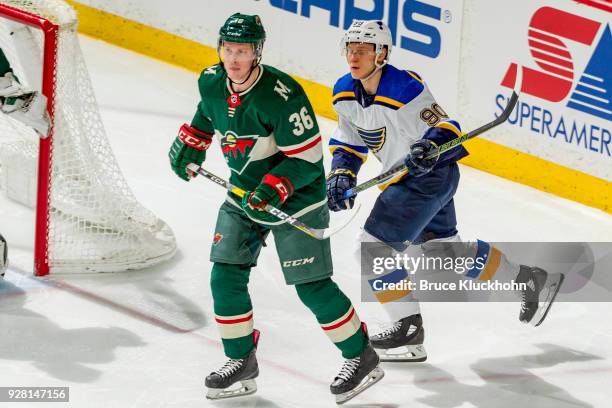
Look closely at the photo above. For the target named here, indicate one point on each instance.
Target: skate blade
(552, 290)
(372, 378)
(247, 387)
(413, 353)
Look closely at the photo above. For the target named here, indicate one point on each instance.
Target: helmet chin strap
(377, 67)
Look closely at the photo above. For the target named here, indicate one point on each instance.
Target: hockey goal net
(87, 218)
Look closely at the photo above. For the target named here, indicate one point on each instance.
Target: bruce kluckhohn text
(424, 285)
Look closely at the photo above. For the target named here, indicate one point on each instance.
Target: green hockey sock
(335, 314)
(233, 308)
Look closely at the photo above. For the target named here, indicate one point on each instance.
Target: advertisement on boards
(304, 35)
(563, 51)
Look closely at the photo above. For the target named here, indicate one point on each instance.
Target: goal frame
(49, 58)
(86, 217)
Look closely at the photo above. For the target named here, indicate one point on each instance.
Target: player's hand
(416, 160)
(340, 181)
(189, 147)
(272, 191)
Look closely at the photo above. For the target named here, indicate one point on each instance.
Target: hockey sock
(489, 262)
(388, 286)
(335, 314)
(233, 308)
(496, 265)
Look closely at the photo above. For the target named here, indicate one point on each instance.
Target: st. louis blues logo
(374, 139)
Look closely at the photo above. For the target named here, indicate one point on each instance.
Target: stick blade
(326, 233)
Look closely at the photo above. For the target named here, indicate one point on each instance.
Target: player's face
(360, 58)
(238, 59)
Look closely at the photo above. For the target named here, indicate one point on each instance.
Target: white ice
(148, 338)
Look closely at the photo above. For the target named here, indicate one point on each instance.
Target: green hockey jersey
(268, 128)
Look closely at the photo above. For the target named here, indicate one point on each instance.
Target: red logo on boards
(550, 30)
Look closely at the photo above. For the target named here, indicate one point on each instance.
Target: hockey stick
(318, 233)
(442, 149)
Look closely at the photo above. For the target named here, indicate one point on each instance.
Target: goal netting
(87, 218)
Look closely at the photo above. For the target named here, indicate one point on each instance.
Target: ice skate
(357, 375)
(243, 371)
(542, 288)
(402, 342)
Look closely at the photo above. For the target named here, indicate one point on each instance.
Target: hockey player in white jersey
(392, 114)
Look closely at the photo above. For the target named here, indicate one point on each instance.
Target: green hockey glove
(189, 147)
(272, 190)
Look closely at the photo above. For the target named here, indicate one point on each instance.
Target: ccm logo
(298, 262)
(217, 180)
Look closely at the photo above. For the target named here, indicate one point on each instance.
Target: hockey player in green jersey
(271, 142)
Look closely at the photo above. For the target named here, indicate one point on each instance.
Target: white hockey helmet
(370, 32)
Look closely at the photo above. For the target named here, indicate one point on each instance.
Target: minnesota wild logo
(236, 149)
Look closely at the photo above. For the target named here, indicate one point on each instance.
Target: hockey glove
(338, 182)
(10, 86)
(28, 107)
(272, 190)
(416, 160)
(189, 147)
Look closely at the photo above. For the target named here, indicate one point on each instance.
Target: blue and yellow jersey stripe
(360, 151)
(415, 75)
(397, 88)
(451, 125)
(343, 96)
(388, 102)
(344, 89)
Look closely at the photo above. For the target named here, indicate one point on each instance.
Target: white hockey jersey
(387, 123)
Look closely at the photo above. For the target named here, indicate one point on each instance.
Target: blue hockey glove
(338, 182)
(416, 160)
